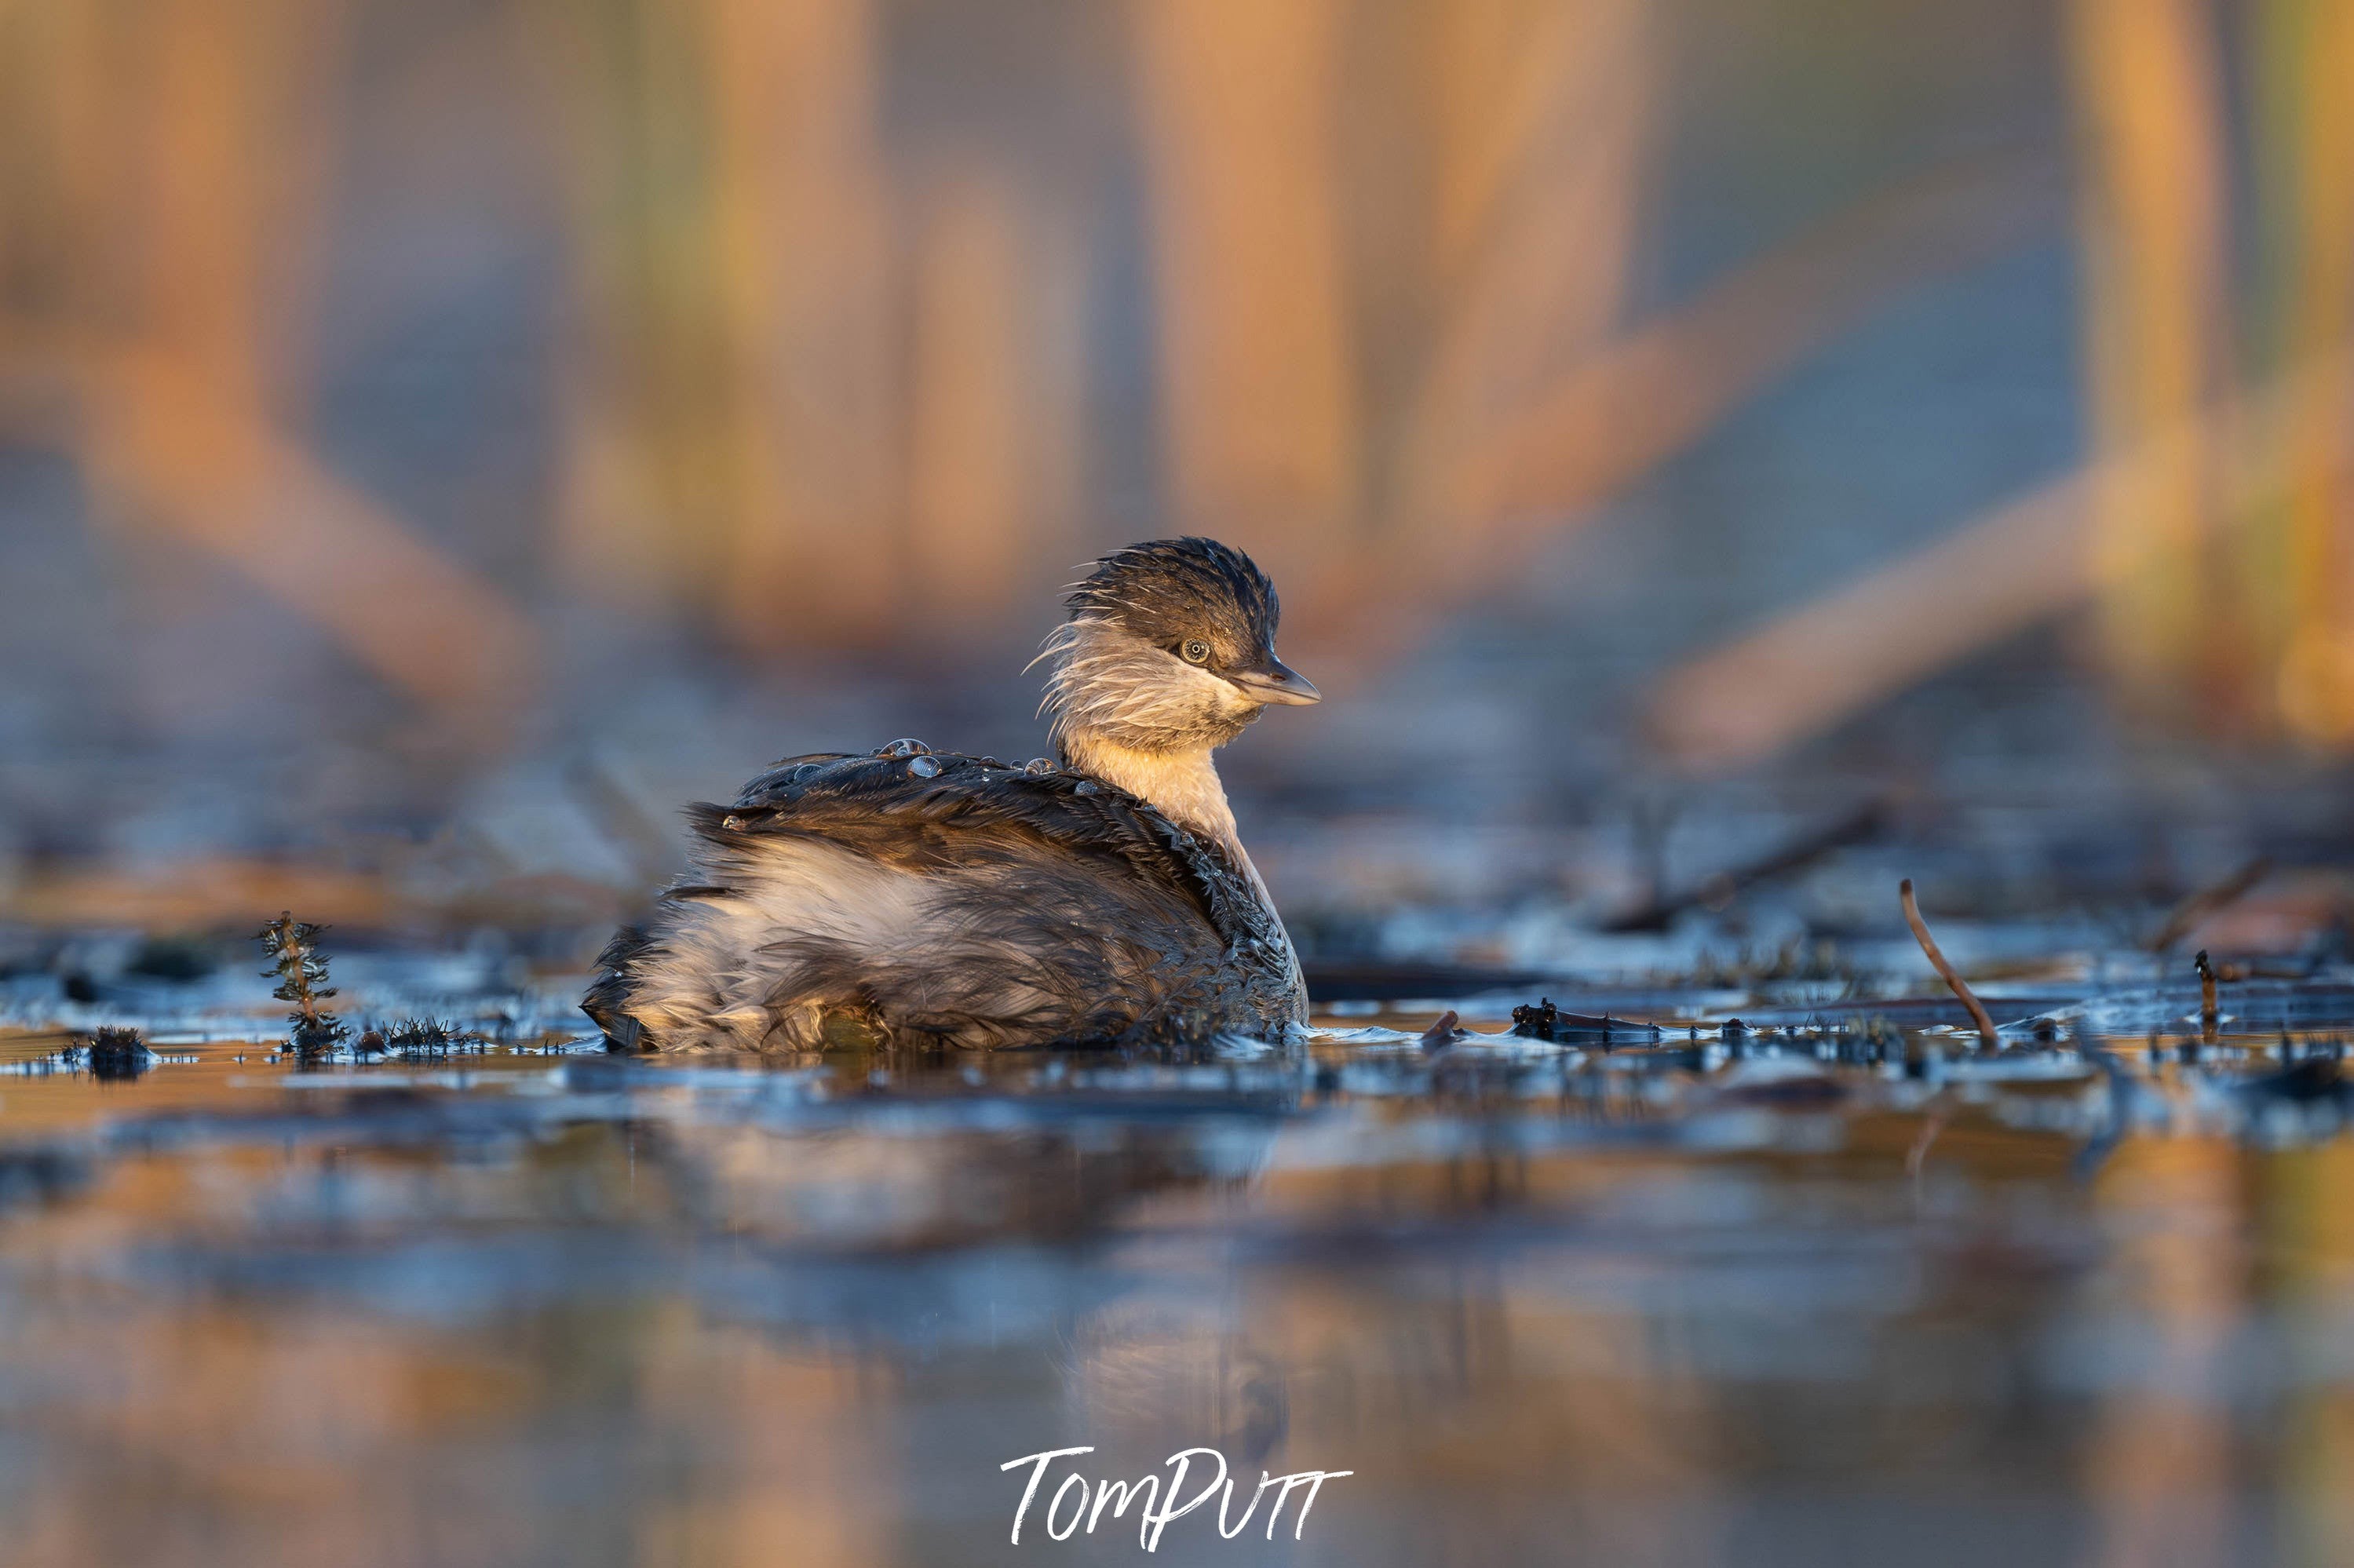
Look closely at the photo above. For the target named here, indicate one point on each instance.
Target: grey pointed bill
(1276, 682)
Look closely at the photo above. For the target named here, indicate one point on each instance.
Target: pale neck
(1184, 787)
(1181, 785)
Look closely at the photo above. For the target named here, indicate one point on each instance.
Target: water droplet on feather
(924, 766)
(905, 747)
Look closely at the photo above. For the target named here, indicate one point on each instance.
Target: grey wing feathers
(973, 808)
(946, 895)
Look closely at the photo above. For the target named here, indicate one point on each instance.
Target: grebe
(911, 896)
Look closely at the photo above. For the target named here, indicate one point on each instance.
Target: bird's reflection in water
(582, 1311)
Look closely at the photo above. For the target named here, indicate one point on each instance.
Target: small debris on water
(1536, 1023)
(431, 1037)
(113, 1053)
(1547, 1020)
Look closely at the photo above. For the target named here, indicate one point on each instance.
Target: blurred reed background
(438, 437)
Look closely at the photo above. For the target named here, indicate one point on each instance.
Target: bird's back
(912, 895)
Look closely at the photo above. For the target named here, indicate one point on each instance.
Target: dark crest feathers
(1167, 589)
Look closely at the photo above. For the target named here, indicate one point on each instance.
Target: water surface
(1792, 1296)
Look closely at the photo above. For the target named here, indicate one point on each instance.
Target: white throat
(1184, 787)
(1181, 785)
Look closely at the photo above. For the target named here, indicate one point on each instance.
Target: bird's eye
(1197, 652)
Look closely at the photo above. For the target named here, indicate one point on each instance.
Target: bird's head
(1169, 647)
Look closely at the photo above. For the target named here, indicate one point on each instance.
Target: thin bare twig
(2209, 1014)
(1987, 1035)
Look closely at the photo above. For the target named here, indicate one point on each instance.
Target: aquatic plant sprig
(301, 971)
(113, 1052)
(431, 1037)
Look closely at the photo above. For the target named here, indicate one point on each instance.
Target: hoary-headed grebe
(910, 895)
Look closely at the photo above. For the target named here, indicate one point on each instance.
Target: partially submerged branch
(1987, 1036)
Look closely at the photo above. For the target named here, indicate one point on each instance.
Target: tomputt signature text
(1077, 1502)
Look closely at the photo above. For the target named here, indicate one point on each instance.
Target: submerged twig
(1987, 1036)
